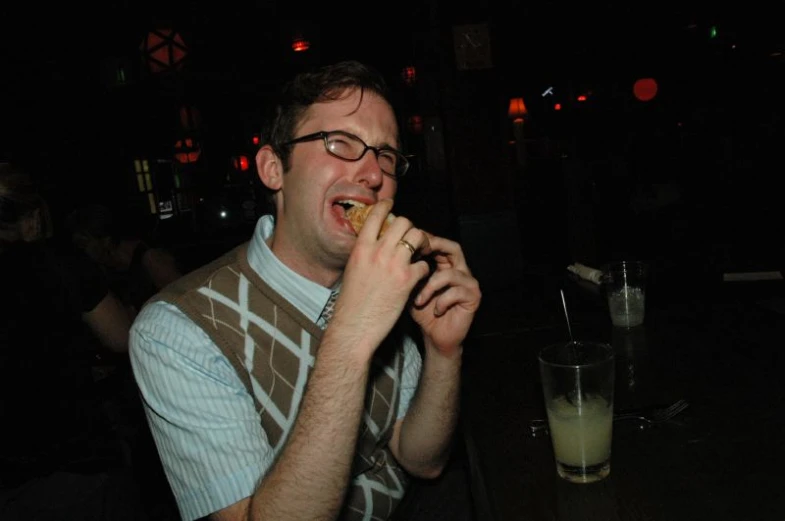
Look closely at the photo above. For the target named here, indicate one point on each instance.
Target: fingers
(403, 239)
(415, 242)
(452, 282)
(375, 220)
(453, 296)
(448, 287)
(447, 254)
(401, 242)
(421, 270)
(425, 243)
(401, 234)
(409, 246)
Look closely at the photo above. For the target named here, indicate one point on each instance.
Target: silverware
(566, 316)
(647, 417)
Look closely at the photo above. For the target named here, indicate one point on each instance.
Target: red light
(299, 45)
(645, 89)
(581, 98)
(187, 151)
(256, 140)
(241, 163)
(164, 49)
(409, 75)
(415, 124)
(557, 106)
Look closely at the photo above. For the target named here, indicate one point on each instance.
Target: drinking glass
(624, 283)
(578, 383)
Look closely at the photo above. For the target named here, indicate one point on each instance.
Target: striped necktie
(327, 312)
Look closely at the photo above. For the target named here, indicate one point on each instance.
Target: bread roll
(358, 214)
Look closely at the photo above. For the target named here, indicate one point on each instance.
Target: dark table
(721, 459)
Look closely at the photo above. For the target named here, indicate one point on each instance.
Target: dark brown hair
(327, 83)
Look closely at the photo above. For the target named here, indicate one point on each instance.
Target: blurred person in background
(59, 456)
(136, 270)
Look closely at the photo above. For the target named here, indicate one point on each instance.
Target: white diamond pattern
(285, 420)
(386, 482)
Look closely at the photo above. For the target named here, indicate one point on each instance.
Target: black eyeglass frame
(325, 134)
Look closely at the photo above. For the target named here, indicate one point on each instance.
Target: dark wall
(688, 175)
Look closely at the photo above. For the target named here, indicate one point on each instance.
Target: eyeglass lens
(352, 148)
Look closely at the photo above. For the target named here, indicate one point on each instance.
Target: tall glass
(577, 384)
(625, 287)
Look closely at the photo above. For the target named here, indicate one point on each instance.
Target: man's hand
(378, 279)
(445, 306)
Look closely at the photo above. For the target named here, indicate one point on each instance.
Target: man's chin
(344, 249)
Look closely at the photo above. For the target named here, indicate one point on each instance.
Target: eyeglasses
(351, 148)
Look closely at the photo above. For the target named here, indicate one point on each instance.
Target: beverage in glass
(578, 383)
(627, 306)
(625, 287)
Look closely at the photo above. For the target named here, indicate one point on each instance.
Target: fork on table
(647, 417)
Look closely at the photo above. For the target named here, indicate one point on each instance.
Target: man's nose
(370, 172)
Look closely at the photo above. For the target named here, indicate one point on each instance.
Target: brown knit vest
(231, 303)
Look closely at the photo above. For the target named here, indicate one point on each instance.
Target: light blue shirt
(204, 422)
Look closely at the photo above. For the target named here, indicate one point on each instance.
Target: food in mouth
(357, 213)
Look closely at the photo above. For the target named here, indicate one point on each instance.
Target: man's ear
(269, 168)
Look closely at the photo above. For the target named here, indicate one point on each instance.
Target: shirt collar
(306, 295)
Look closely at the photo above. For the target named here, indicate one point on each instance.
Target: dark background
(689, 179)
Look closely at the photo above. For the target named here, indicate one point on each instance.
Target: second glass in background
(624, 283)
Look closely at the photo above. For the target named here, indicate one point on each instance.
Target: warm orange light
(645, 89)
(300, 44)
(517, 110)
(187, 151)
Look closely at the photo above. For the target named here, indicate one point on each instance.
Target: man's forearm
(310, 476)
(426, 432)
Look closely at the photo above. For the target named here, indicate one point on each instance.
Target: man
(257, 412)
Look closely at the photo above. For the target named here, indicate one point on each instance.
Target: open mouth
(341, 206)
(345, 204)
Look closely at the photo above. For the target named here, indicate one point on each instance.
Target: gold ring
(408, 246)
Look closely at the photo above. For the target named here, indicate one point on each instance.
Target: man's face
(311, 230)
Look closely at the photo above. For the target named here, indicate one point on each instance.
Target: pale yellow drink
(581, 434)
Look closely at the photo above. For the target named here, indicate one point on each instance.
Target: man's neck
(314, 272)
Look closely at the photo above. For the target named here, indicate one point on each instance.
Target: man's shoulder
(163, 326)
(222, 266)
(161, 315)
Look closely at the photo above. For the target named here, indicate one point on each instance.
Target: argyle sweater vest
(272, 346)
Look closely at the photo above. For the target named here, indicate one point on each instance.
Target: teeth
(351, 202)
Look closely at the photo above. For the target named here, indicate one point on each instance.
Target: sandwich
(358, 213)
